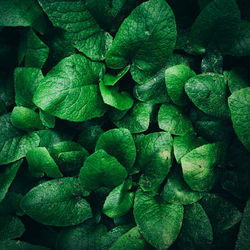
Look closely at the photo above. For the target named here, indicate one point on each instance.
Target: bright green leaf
(69, 90)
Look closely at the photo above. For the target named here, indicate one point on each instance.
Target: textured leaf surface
(217, 23)
(176, 191)
(40, 161)
(240, 114)
(82, 29)
(223, 214)
(114, 98)
(158, 222)
(26, 119)
(243, 241)
(136, 119)
(154, 159)
(196, 232)
(149, 48)
(26, 82)
(14, 144)
(69, 156)
(184, 144)
(22, 13)
(237, 78)
(175, 78)
(114, 234)
(131, 240)
(19, 245)
(101, 169)
(120, 144)
(57, 203)
(198, 167)
(7, 177)
(69, 90)
(241, 45)
(81, 237)
(36, 52)
(119, 201)
(11, 227)
(173, 121)
(208, 93)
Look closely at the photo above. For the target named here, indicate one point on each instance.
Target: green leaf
(40, 162)
(176, 191)
(14, 143)
(10, 205)
(22, 13)
(82, 29)
(212, 61)
(158, 222)
(196, 232)
(208, 92)
(47, 119)
(81, 237)
(240, 114)
(26, 83)
(240, 46)
(118, 100)
(114, 234)
(101, 169)
(148, 32)
(185, 144)
(119, 201)
(154, 159)
(36, 52)
(223, 215)
(216, 24)
(89, 136)
(237, 78)
(136, 119)
(171, 119)
(153, 90)
(111, 79)
(11, 227)
(132, 240)
(19, 245)
(7, 177)
(175, 78)
(78, 98)
(6, 89)
(198, 167)
(69, 156)
(57, 203)
(243, 241)
(26, 119)
(120, 144)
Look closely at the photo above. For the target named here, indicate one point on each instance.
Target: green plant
(124, 124)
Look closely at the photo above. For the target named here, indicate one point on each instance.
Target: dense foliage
(124, 124)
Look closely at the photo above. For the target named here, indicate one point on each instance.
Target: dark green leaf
(176, 191)
(14, 143)
(158, 222)
(171, 119)
(156, 38)
(101, 169)
(120, 144)
(208, 92)
(240, 114)
(57, 203)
